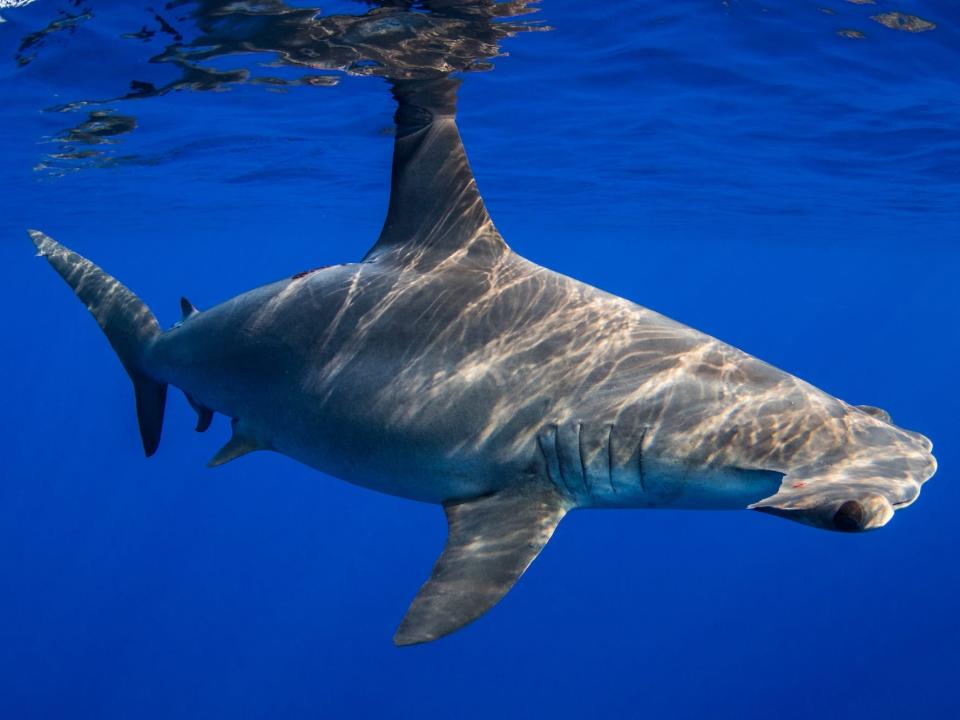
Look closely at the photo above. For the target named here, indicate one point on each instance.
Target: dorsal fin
(435, 207)
(187, 309)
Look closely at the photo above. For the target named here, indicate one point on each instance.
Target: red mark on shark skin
(304, 273)
(798, 485)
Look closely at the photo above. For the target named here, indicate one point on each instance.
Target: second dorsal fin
(187, 309)
(435, 207)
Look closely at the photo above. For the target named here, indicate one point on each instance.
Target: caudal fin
(125, 320)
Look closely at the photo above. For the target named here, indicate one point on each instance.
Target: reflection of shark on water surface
(446, 368)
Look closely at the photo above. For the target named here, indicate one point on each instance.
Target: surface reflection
(392, 40)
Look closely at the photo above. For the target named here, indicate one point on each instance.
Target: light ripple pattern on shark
(446, 368)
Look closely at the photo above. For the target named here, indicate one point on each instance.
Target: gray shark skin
(446, 368)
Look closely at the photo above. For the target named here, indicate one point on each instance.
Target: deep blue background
(738, 167)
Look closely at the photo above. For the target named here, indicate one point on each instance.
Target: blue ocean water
(782, 175)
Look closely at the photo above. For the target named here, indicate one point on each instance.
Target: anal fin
(491, 541)
(204, 415)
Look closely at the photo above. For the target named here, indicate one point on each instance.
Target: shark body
(446, 368)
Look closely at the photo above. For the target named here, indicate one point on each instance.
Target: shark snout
(880, 481)
(862, 514)
(850, 514)
(860, 493)
(923, 443)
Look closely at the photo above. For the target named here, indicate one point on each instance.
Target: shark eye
(849, 517)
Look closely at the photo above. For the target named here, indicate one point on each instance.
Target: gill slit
(583, 463)
(554, 470)
(613, 488)
(643, 483)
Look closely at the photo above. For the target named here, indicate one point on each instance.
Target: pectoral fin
(491, 541)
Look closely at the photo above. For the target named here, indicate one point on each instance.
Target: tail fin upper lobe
(125, 320)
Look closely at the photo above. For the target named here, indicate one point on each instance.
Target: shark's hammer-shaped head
(872, 469)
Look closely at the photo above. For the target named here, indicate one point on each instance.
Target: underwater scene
(648, 409)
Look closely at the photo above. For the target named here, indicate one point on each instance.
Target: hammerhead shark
(446, 368)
